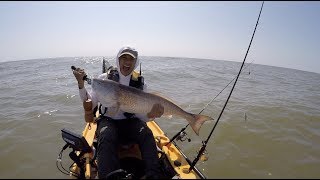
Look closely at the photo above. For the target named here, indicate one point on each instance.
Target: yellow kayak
(173, 161)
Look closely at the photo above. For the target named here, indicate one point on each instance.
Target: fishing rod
(204, 143)
(104, 66)
(180, 133)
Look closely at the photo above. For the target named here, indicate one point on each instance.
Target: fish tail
(196, 122)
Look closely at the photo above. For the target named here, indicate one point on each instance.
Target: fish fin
(114, 110)
(169, 116)
(197, 121)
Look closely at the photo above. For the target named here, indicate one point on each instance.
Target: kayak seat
(125, 149)
(130, 158)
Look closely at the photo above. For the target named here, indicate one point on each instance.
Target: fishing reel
(113, 74)
(204, 156)
(183, 136)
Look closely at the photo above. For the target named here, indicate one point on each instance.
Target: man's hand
(156, 111)
(79, 74)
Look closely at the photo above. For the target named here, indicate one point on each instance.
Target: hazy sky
(287, 35)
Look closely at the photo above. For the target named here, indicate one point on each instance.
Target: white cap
(128, 50)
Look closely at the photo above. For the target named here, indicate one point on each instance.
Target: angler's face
(127, 64)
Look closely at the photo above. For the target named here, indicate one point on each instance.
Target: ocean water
(269, 129)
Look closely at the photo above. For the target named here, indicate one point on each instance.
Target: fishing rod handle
(74, 68)
(84, 77)
(88, 114)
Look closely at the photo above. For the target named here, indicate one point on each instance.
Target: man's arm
(84, 95)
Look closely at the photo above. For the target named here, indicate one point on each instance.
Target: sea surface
(270, 127)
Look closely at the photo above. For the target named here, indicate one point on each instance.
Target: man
(114, 127)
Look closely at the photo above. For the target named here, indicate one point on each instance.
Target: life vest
(136, 81)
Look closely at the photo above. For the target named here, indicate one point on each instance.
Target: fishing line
(204, 143)
(223, 89)
(183, 129)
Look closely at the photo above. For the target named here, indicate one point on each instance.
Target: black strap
(137, 84)
(100, 110)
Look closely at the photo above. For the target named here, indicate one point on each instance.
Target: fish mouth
(96, 82)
